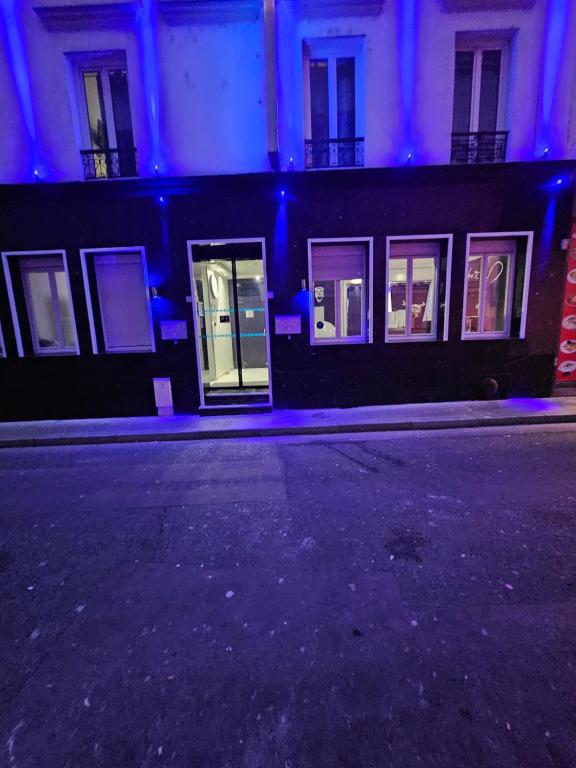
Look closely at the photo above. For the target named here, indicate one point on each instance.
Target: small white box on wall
(287, 325)
(173, 330)
(163, 396)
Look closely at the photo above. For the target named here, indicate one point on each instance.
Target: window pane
(319, 98)
(95, 107)
(473, 281)
(345, 90)
(423, 295)
(490, 84)
(397, 296)
(324, 309)
(495, 292)
(121, 108)
(40, 296)
(462, 91)
(351, 307)
(64, 305)
(123, 304)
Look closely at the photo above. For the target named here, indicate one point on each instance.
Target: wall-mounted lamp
(303, 284)
(545, 153)
(36, 174)
(156, 170)
(161, 200)
(282, 193)
(155, 292)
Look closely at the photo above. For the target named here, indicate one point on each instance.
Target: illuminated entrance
(231, 322)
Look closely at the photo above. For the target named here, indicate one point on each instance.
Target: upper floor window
(334, 102)
(339, 279)
(478, 134)
(496, 287)
(105, 116)
(41, 303)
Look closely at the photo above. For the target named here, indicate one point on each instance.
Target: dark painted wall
(378, 203)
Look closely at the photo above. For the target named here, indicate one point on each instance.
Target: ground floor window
(339, 275)
(418, 273)
(41, 302)
(496, 285)
(118, 300)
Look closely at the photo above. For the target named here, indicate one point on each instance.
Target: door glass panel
(345, 93)
(324, 309)
(397, 296)
(216, 323)
(464, 68)
(252, 322)
(351, 307)
(319, 98)
(423, 292)
(489, 88)
(122, 121)
(40, 295)
(96, 120)
(473, 282)
(64, 305)
(495, 292)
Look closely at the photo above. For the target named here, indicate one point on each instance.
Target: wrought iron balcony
(480, 147)
(334, 153)
(109, 163)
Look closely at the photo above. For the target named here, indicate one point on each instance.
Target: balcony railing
(480, 147)
(334, 153)
(109, 163)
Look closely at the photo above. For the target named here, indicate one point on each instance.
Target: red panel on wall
(566, 368)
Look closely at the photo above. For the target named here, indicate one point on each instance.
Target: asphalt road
(381, 601)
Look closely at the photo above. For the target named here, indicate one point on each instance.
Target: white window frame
(433, 336)
(477, 47)
(42, 351)
(101, 62)
(367, 312)
(332, 48)
(511, 278)
(85, 253)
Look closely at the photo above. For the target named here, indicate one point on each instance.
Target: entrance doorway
(231, 322)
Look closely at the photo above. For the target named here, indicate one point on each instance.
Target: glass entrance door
(231, 324)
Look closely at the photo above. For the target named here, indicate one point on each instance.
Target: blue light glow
(557, 21)
(150, 68)
(407, 50)
(10, 24)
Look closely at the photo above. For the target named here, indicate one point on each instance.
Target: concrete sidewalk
(380, 418)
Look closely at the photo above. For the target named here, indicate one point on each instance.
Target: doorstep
(382, 418)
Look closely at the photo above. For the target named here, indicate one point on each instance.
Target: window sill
(410, 339)
(486, 337)
(340, 342)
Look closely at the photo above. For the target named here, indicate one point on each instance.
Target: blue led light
(282, 193)
(559, 182)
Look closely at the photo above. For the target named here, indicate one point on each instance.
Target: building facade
(211, 204)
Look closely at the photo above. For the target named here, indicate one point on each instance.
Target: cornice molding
(209, 11)
(463, 6)
(65, 18)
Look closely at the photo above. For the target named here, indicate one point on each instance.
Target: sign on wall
(288, 324)
(566, 366)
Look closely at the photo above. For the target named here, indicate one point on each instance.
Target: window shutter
(123, 302)
(425, 248)
(478, 247)
(339, 262)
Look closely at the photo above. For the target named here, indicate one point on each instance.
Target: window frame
(367, 296)
(421, 337)
(477, 47)
(85, 253)
(37, 351)
(333, 48)
(2, 344)
(511, 280)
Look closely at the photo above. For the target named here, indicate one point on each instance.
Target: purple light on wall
(557, 21)
(147, 26)
(11, 26)
(407, 30)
